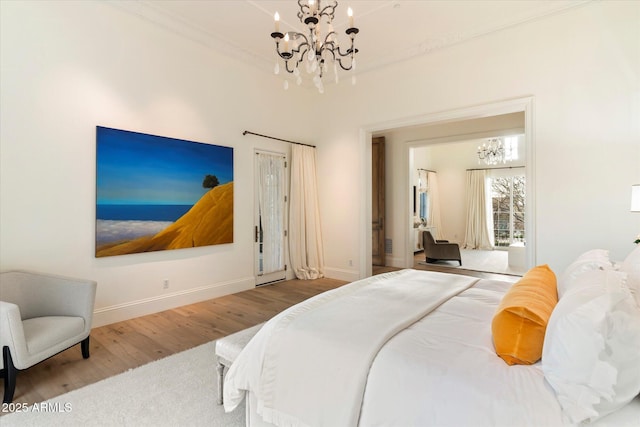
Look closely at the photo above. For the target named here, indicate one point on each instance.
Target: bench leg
(220, 369)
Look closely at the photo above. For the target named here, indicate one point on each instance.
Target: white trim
(522, 104)
(341, 274)
(366, 244)
(415, 143)
(129, 310)
(155, 13)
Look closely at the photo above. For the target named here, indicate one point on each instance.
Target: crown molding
(432, 44)
(151, 12)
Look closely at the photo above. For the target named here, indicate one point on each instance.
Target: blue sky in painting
(136, 168)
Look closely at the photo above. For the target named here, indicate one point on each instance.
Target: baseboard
(119, 312)
(341, 274)
(394, 262)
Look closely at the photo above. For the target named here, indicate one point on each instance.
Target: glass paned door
(508, 203)
(270, 218)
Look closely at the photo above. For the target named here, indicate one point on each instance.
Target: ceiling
(390, 30)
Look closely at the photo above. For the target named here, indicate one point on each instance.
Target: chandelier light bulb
(286, 42)
(276, 70)
(276, 18)
(350, 14)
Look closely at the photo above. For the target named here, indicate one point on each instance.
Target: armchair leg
(84, 345)
(10, 373)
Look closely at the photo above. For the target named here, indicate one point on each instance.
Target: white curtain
(489, 208)
(477, 235)
(305, 237)
(271, 210)
(422, 193)
(434, 204)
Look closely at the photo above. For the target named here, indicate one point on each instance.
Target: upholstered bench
(227, 350)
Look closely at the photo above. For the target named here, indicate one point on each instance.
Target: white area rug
(179, 390)
(489, 261)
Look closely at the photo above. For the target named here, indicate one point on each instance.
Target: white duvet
(434, 369)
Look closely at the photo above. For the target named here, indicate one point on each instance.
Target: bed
(418, 348)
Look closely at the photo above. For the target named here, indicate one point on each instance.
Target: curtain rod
(426, 170)
(488, 169)
(279, 139)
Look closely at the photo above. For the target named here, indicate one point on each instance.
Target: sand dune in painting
(208, 222)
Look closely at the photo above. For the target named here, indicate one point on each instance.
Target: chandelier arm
(329, 10)
(290, 54)
(350, 67)
(350, 52)
(302, 46)
(303, 52)
(286, 66)
(295, 60)
(329, 45)
(332, 50)
(301, 56)
(304, 9)
(283, 55)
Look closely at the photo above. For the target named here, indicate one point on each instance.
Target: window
(508, 202)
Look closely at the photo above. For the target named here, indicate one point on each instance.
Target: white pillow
(595, 259)
(591, 351)
(631, 266)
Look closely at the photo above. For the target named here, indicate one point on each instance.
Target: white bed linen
(443, 371)
(313, 362)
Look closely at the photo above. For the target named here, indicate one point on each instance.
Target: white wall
(69, 66)
(582, 68)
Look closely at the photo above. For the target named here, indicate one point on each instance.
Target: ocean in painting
(141, 212)
(127, 222)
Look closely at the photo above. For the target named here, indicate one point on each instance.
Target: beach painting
(155, 193)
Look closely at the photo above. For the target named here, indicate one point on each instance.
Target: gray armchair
(440, 250)
(40, 316)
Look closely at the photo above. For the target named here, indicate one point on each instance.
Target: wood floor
(419, 256)
(125, 345)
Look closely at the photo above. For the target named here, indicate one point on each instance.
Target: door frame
(521, 104)
(380, 199)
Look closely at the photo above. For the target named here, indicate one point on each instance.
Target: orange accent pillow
(520, 321)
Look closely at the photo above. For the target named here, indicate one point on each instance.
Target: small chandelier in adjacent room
(319, 48)
(497, 150)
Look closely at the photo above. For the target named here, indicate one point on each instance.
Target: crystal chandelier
(318, 49)
(492, 152)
